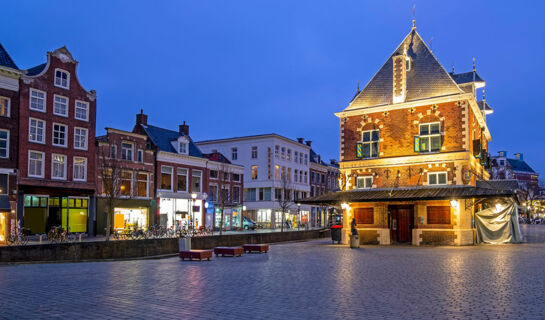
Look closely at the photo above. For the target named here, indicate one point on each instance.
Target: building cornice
(431, 158)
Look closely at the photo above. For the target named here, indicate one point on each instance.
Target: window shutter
(438, 215)
(416, 143)
(364, 215)
(477, 148)
(359, 150)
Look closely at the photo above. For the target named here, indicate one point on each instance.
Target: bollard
(184, 244)
(354, 241)
(80, 237)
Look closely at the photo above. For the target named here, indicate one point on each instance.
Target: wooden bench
(196, 254)
(228, 251)
(256, 248)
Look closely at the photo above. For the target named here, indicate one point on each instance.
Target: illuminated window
(254, 172)
(437, 178)
(126, 183)
(4, 107)
(80, 169)
(143, 184)
(58, 166)
(166, 178)
(430, 137)
(370, 141)
(364, 182)
(277, 172)
(182, 179)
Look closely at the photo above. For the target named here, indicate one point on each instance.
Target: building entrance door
(401, 223)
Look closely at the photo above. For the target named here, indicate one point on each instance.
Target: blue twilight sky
(232, 68)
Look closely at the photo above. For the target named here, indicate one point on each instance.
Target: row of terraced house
(55, 171)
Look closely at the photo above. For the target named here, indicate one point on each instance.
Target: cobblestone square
(305, 280)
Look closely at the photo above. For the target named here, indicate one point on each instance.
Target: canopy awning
(485, 190)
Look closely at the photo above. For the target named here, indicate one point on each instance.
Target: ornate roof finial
(452, 66)
(474, 69)
(358, 85)
(414, 16)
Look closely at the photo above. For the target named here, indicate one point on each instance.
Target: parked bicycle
(18, 237)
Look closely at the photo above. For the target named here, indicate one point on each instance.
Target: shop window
(4, 107)
(196, 176)
(364, 182)
(437, 178)
(60, 106)
(364, 215)
(254, 172)
(143, 185)
(438, 214)
(126, 151)
(166, 178)
(35, 201)
(126, 183)
(213, 193)
(429, 139)
(62, 79)
(4, 143)
(182, 180)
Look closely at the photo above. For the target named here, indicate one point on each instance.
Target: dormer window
(182, 147)
(407, 64)
(62, 79)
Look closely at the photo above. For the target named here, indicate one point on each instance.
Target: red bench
(256, 248)
(196, 254)
(228, 251)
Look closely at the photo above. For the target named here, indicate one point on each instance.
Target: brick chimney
(333, 161)
(502, 153)
(308, 143)
(518, 156)
(142, 118)
(184, 129)
(300, 140)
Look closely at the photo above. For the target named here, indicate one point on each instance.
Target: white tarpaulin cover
(498, 224)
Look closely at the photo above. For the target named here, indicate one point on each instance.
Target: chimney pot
(142, 118)
(502, 153)
(300, 140)
(518, 156)
(184, 129)
(308, 143)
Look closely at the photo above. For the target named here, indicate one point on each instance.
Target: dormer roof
(162, 139)
(426, 78)
(467, 77)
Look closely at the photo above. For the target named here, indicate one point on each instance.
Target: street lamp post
(299, 215)
(193, 197)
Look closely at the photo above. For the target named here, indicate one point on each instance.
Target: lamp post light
(193, 197)
(299, 215)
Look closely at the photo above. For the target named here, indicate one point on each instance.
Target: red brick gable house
(413, 151)
(57, 158)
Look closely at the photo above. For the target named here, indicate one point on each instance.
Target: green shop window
(74, 217)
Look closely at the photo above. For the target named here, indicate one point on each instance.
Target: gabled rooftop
(6, 60)
(520, 165)
(426, 79)
(467, 77)
(162, 139)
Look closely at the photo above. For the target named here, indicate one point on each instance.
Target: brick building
(9, 133)
(126, 176)
(182, 175)
(413, 152)
(57, 164)
(504, 168)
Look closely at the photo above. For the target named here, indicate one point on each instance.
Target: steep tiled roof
(465, 77)
(5, 59)
(520, 165)
(36, 70)
(314, 157)
(217, 156)
(425, 79)
(162, 139)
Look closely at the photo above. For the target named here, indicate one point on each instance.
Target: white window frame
(296, 156)
(86, 138)
(276, 151)
(186, 174)
(53, 166)
(253, 152)
(67, 105)
(131, 179)
(43, 133)
(67, 79)
(367, 182)
(84, 169)
(200, 180)
(126, 154)
(370, 143)
(429, 136)
(138, 182)
(436, 174)
(217, 174)
(42, 169)
(140, 156)
(8, 108)
(44, 100)
(234, 154)
(86, 110)
(288, 156)
(65, 135)
(7, 143)
(183, 147)
(171, 177)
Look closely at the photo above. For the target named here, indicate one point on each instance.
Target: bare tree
(528, 194)
(110, 171)
(284, 199)
(224, 176)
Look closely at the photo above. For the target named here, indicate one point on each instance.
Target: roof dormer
(182, 145)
